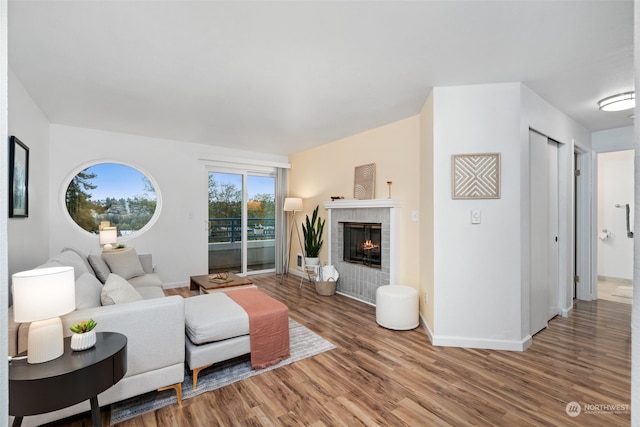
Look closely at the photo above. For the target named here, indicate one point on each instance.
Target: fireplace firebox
(362, 243)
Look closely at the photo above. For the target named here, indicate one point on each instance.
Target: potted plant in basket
(84, 336)
(312, 231)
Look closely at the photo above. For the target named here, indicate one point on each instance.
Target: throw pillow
(117, 290)
(124, 263)
(88, 290)
(99, 267)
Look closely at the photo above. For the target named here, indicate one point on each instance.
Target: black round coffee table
(71, 378)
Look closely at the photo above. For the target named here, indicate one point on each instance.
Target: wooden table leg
(17, 421)
(95, 412)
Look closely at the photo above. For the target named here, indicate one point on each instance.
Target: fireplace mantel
(356, 203)
(360, 281)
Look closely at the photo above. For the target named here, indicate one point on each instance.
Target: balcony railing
(229, 230)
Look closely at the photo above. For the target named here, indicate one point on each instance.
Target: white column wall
(481, 272)
(4, 369)
(477, 267)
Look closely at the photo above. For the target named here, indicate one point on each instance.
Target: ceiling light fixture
(619, 102)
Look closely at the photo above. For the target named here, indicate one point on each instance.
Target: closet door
(543, 158)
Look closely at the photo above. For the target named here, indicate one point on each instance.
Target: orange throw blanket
(268, 326)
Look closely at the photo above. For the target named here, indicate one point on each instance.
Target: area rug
(303, 343)
(623, 291)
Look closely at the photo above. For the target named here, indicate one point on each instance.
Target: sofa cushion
(99, 267)
(150, 292)
(124, 263)
(117, 290)
(149, 279)
(82, 256)
(88, 290)
(214, 317)
(71, 259)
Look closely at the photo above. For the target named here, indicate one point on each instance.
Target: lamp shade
(43, 293)
(108, 235)
(292, 204)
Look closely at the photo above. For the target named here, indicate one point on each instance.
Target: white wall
(481, 272)
(615, 186)
(477, 266)
(178, 240)
(29, 237)
(613, 140)
(4, 132)
(539, 115)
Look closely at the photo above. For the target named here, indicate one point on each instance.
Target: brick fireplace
(360, 280)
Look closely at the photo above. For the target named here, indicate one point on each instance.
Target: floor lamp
(293, 205)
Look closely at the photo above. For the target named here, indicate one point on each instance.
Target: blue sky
(256, 184)
(116, 180)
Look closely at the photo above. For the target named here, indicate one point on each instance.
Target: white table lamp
(40, 296)
(108, 236)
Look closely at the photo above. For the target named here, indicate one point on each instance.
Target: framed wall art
(475, 176)
(18, 179)
(364, 182)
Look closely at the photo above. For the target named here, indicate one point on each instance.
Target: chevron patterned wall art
(475, 176)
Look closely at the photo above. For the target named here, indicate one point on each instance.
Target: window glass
(113, 192)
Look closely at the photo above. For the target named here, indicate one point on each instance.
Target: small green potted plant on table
(84, 335)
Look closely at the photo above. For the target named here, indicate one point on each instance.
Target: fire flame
(368, 245)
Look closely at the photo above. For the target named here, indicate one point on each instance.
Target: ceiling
(282, 77)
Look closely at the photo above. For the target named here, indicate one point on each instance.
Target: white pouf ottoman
(397, 307)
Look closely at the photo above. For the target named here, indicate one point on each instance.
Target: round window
(111, 192)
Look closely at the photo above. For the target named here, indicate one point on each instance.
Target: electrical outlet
(426, 297)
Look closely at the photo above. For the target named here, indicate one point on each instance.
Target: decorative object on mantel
(364, 181)
(475, 176)
(389, 185)
(84, 337)
(337, 197)
(312, 233)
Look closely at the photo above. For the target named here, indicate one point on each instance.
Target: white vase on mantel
(84, 341)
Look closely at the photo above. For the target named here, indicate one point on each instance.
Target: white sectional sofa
(154, 324)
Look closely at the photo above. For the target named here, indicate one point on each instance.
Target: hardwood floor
(377, 376)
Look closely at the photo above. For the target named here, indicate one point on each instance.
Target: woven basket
(326, 288)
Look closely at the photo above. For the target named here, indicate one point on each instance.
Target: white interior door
(544, 230)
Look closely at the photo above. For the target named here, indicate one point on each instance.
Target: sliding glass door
(261, 223)
(241, 232)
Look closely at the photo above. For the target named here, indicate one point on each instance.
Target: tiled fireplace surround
(359, 281)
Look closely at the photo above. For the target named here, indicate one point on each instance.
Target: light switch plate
(475, 217)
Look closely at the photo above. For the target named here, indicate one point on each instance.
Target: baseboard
(488, 344)
(357, 299)
(174, 285)
(426, 328)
